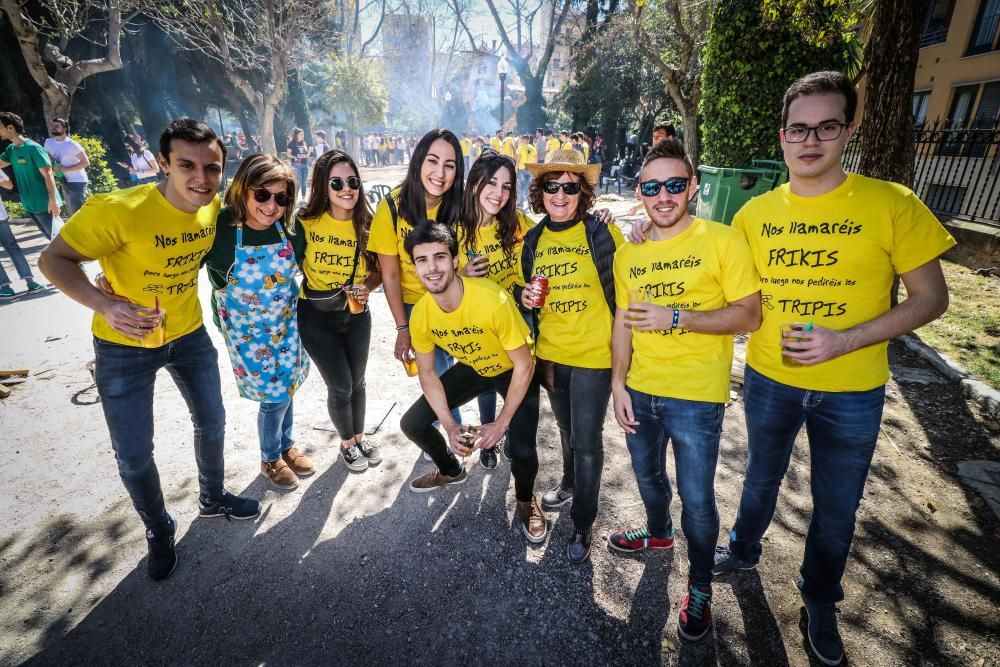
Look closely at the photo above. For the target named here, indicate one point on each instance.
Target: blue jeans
(842, 429)
(579, 403)
(125, 377)
(75, 194)
(43, 221)
(9, 243)
(302, 176)
(274, 429)
(694, 428)
(442, 361)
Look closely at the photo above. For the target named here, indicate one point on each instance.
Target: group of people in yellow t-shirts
(485, 303)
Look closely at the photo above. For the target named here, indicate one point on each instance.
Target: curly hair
(587, 194)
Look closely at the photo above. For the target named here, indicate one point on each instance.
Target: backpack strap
(393, 212)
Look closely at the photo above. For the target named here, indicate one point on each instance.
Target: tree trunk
(690, 115)
(55, 103)
(531, 114)
(265, 121)
(887, 141)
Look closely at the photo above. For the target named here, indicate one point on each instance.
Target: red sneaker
(695, 618)
(639, 539)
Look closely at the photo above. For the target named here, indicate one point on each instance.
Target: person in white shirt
(144, 168)
(70, 162)
(9, 243)
(321, 145)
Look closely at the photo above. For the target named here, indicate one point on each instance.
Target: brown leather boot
(532, 520)
(300, 464)
(279, 475)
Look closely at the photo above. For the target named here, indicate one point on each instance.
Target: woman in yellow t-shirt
(575, 251)
(334, 320)
(490, 234)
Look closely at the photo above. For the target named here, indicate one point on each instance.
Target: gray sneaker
(726, 562)
(557, 496)
(354, 459)
(370, 452)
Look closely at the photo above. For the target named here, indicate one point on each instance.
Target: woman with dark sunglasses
(490, 233)
(432, 190)
(334, 319)
(575, 251)
(252, 265)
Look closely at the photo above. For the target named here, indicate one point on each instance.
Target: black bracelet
(677, 318)
(402, 327)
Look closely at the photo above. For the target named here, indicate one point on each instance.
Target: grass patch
(969, 333)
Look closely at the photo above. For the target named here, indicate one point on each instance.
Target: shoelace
(352, 453)
(697, 600)
(636, 534)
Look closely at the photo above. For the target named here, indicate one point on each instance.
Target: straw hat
(565, 159)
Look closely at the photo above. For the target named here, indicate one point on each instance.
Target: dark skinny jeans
(338, 344)
(579, 403)
(461, 385)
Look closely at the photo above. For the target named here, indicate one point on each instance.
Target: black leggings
(461, 385)
(338, 343)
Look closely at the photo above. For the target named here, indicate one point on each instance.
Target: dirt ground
(355, 569)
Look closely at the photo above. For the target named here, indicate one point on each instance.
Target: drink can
(543, 286)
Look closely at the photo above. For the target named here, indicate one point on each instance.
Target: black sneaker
(726, 562)
(578, 550)
(505, 448)
(488, 458)
(161, 560)
(821, 628)
(354, 459)
(231, 507)
(371, 453)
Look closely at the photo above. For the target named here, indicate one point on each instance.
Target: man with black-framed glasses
(827, 245)
(680, 296)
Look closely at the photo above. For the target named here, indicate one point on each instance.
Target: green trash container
(774, 165)
(724, 190)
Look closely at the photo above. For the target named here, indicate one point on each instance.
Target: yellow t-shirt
(330, 248)
(574, 325)
(507, 148)
(478, 333)
(705, 267)
(384, 241)
(551, 145)
(503, 270)
(147, 249)
(526, 154)
(567, 146)
(495, 143)
(831, 260)
(466, 146)
(586, 150)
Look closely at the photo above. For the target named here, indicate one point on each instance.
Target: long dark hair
(412, 198)
(482, 170)
(319, 201)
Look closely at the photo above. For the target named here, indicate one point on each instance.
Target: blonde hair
(258, 171)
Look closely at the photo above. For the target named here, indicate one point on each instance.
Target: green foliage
(748, 64)
(102, 179)
(15, 209)
(825, 23)
(356, 89)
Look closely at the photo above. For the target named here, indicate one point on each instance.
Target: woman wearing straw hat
(575, 251)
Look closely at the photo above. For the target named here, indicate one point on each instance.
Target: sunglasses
(262, 196)
(674, 186)
(353, 182)
(552, 187)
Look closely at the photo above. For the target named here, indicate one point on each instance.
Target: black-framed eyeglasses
(263, 195)
(674, 186)
(796, 134)
(552, 187)
(353, 182)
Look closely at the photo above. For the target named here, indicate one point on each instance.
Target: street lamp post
(502, 68)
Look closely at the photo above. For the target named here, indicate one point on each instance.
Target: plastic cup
(788, 327)
(157, 336)
(636, 296)
(355, 306)
(410, 364)
(469, 433)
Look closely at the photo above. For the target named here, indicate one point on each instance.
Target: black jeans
(338, 344)
(579, 403)
(461, 385)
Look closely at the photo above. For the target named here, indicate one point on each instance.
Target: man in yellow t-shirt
(525, 155)
(149, 241)
(827, 245)
(466, 144)
(552, 144)
(680, 297)
(507, 146)
(497, 140)
(476, 321)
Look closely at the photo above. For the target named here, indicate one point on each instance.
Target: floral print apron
(257, 312)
